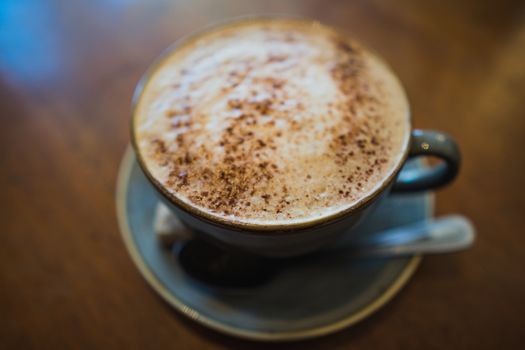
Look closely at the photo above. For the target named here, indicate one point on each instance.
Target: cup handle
(429, 143)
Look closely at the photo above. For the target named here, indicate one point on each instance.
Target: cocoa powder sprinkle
(255, 141)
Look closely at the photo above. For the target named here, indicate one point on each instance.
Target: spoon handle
(447, 234)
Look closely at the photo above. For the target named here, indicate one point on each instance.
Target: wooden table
(67, 73)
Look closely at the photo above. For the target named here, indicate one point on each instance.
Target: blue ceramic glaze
(315, 296)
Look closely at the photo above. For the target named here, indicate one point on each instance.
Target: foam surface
(271, 121)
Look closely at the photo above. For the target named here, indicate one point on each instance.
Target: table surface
(67, 73)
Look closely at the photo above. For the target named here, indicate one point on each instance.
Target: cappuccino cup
(276, 136)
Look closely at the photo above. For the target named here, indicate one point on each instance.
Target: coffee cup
(277, 136)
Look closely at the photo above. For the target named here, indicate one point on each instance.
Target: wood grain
(67, 73)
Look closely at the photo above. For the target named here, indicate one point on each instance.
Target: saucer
(311, 298)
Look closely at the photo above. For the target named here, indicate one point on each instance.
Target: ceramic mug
(297, 238)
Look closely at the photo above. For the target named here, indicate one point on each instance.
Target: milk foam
(271, 122)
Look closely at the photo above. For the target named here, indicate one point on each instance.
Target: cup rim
(251, 226)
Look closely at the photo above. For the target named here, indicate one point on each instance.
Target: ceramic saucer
(311, 298)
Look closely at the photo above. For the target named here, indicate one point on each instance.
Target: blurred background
(67, 73)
